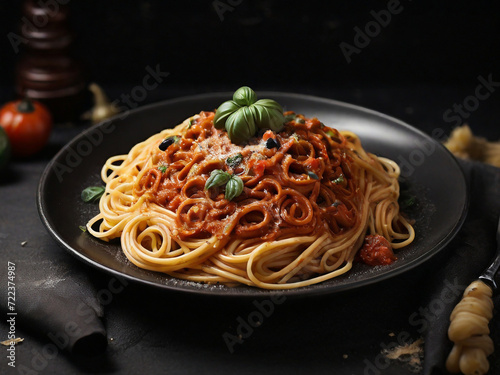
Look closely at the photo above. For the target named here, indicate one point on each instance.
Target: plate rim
(256, 293)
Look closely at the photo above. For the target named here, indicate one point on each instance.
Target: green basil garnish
(234, 184)
(234, 188)
(217, 178)
(234, 161)
(162, 168)
(240, 126)
(92, 194)
(242, 116)
(225, 110)
(269, 115)
(244, 96)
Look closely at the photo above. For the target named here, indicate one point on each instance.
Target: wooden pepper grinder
(47, 72)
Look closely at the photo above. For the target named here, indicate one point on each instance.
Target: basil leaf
(240, 125)
(234, 188)
(261, 115)
(92, 194)
(269, 114)
(244, 96)
(270, 104)
(225, 110)
(234, 161)
(217, 178)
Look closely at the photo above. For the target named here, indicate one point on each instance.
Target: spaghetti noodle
(310, 195)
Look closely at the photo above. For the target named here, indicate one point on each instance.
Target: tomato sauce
(290, 184)
(376, 251)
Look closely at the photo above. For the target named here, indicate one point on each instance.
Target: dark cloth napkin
(60, 304)
(54, 297)
(468, 255)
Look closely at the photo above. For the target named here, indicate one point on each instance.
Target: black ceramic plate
(430, 172)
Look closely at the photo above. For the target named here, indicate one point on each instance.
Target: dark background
(274, 44)
(438, 48)
(427, 58)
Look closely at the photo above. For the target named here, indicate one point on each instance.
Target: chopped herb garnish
(312, 175)
(235, 160)
(191, 122)
(339, 180)
(296, 137)
(299, 120)
(290, 117)
(82, 228)
(162, 168)
(407, 201)
(330, 133)
(92, 194)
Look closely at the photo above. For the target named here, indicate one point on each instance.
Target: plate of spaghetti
(296, 194)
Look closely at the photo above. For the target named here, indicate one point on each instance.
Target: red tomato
(376, 251)
(259, 167)
(28, 125)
